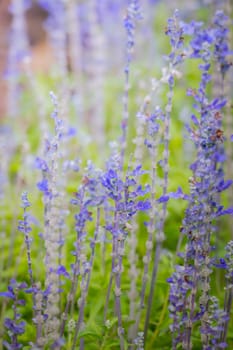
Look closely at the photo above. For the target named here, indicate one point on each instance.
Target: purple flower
(23, 225)
(194, 119)
(43, 186)
(222, 264)
(14, 327)
(175, 31)
(178, 194)
(112, 183)
(223, 185)
(143, 205)
(61, 271)
(203, 205)
(137, 171)
(7, 295)
(163, 199)
(71, 132)
(25, 201)
(221, 212)
(133, 14)
(221, 49)
(41, 164)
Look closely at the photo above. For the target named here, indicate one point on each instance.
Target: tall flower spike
(88, 199)
(175, 58)
(126, 196)
(224, 77)
(221, 46)
(204, 205)
(227, 264)
(152, 140)
(133, 14)
(53, 221)
(133, 257)
(25, 228)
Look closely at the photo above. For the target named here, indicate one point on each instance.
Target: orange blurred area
(41, 53)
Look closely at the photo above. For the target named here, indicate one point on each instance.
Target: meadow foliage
(116, 180)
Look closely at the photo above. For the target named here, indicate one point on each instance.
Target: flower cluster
(133, 14)
(204, 206)
(118, 214)
(15, 326)
(52, 188)
(221, 46)
(24, 226)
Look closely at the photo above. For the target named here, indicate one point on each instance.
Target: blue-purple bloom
(43, 186)
(221, 46)
(61, 271)
(204, 207)
(41, 164)
(14, 326)
(133, 14)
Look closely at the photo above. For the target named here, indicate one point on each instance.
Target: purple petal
(143, 205)
(163, 199)
(7, 295)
